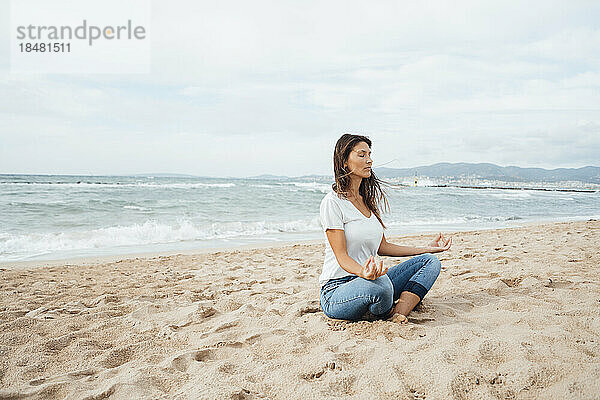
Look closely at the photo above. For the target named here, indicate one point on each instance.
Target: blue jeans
(351, 297)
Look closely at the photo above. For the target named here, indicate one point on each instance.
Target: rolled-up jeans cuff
(416, 288)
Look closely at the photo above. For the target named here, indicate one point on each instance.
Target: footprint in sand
(183, 361)
(59, 343)
(117, 357)
(493, 351)
(227, 368)
(203, 355)
(542, 377)
(468, 385)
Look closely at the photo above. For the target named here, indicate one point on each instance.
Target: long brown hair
(370, 188)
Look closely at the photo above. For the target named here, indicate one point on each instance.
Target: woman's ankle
(406, 303)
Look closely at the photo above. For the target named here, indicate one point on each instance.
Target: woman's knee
(434, 262)
(387, 292)
(383, 295)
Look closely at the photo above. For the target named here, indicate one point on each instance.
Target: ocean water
(58, 217)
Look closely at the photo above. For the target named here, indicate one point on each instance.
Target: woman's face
(359, 161)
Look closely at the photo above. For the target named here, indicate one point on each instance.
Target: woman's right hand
(372, 271)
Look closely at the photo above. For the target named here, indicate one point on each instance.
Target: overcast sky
(266, 87)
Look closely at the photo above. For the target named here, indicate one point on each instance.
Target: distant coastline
(446, 171)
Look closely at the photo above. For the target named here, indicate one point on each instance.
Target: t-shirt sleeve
(331, 215)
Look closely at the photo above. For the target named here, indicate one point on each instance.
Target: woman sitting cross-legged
(353, 284)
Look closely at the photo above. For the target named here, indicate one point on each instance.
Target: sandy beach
(514, 314)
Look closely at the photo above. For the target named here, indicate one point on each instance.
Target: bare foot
(399, 318)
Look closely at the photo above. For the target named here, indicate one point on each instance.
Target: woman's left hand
(441, 243)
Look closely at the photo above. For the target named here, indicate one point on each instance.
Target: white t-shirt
(363, 235)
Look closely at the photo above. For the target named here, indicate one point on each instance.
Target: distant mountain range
(164, 175)
(491, 171)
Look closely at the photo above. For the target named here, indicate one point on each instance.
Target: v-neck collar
(356, 208)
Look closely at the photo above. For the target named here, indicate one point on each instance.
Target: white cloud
(428, 82)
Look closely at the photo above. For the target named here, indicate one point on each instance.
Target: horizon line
(148, 174)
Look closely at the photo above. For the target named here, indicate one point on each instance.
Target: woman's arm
(337, 240)
(389, 249)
